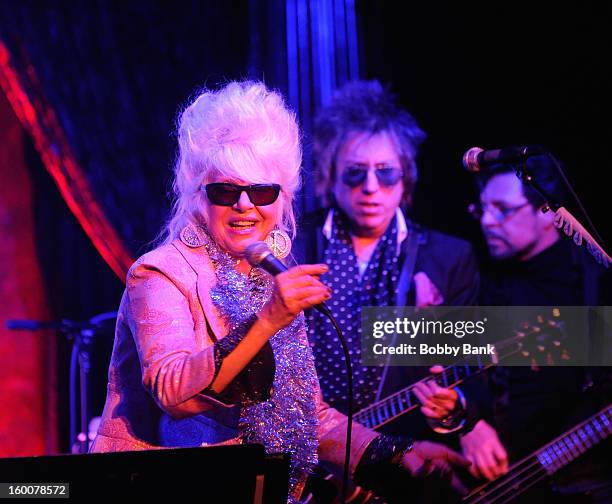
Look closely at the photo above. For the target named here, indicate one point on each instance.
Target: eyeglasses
(226, 194)
(499, 213)
(354, 176)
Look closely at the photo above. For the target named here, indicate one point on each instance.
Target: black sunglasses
(354, 176)
(226, 194)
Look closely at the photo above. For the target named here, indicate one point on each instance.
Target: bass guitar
(545, 461)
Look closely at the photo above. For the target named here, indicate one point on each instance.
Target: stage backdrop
(27, 359)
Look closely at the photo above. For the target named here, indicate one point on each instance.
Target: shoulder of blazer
(181, 264)
(191, 271)
(448, 245)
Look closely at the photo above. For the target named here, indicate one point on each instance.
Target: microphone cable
(349, 388)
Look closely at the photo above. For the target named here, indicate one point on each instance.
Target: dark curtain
(493, 74)
(115, 74)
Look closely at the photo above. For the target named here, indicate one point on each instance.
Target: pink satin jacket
(163, 359)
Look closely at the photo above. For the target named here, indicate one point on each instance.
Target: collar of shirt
(402, 228)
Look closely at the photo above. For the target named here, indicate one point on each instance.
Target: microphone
(259, 255)
(475, 159)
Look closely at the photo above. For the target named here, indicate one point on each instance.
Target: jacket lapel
(198, 259)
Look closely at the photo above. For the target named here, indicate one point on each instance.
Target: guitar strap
(410, 247)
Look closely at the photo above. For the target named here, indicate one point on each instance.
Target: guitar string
(397, 396)
(387, 402)
(368, 412)
(510, 481)
(500, 486)
(511, 497)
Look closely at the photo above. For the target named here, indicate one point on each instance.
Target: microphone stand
(82, 334)
(571, 226)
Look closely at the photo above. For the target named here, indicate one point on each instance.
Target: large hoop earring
(193, 236)
(279, 243)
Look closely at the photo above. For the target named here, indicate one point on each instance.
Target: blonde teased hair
(242, 131)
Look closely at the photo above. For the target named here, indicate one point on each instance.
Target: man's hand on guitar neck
(482, 447)
(443, 407)
(436, 402)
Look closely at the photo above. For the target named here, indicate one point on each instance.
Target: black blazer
(449, 262)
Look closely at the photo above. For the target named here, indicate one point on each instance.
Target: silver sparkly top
(287, 422)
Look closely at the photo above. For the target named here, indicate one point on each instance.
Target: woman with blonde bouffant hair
(208, 349)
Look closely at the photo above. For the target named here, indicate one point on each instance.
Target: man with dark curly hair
(365, 148)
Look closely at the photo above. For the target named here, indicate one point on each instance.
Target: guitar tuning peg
(565, 355)
(541, 348)
(578, 238)
(556, 343)
(525, 353)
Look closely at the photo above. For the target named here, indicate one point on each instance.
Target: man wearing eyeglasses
(513, 224)
(531, 264)
(365, 149)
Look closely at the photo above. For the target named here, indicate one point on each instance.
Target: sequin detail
(193, 236)
(287, 422)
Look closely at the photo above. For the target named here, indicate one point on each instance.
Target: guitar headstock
(542, 341)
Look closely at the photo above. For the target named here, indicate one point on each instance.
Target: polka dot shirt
(351, 291)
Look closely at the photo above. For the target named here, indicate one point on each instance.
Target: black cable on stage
(349, 386)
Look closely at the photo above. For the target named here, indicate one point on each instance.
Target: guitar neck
(572, 444)
(403, 401)
(545, 461)
(393, 406)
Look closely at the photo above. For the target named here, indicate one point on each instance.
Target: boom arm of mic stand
(565, 220)
(572, 228)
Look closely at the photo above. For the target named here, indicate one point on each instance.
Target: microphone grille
(257, 252)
